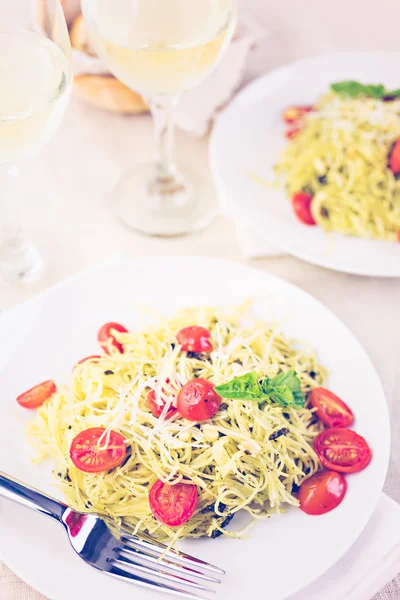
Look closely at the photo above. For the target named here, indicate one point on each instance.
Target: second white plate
(249, 138)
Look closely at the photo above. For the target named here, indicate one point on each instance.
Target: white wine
(35, 83)
(160, 47)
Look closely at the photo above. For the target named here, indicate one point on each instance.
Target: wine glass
(35, 78)
(161, 48)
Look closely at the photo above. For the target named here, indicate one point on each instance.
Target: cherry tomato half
(198, 401)
(394, 159)
(302, 207)
(156, 408)
(37, 395)
(173, 505)
(294, 113)
(292, 132)
(105, 334)
(322, 492)
(195, 339)
(342, 450)
(93, 358)
(331, 410)
(90, 456)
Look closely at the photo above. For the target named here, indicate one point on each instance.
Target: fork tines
(153, 564)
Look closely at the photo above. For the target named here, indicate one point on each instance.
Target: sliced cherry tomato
(156, 408)
(292, 132)
(90, 456)
(195, 339)
(93, 358)
(173, 505)
(342, 450)
(294, 113)
(302, 207)
(394, 158)
(322, 492)
(331, 410)
(105, 334)
(198, 401)
(398, 236)
(37, 395)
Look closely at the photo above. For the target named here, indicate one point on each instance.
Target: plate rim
(273, 278)
(236, 209)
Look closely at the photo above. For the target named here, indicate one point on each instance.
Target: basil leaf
(299, 399)
(245, 387)
(354, 89)
(281, 395)
(290, 378)
(284, 389)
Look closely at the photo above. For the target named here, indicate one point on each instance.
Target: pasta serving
(248, 456)
(342, 161)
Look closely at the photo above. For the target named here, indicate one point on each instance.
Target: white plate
(45, 336)
(249, 137)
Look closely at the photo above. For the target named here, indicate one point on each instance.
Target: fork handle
(14, 490)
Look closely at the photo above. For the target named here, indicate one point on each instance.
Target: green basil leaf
(281, 395)
(299, 399)
(355, 89)
(284, 389)
(290, 378)
(245, 387)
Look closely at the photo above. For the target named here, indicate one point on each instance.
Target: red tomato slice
(195, 339)
(342, 450)
(294, 113)
(394, 159)
(173, 505)
(292, 132)
(302, 207)
(322, 492)
(198, 401)
(37, 395)
(93, 358)
(90, 456)
(105, 334)
(156, 408)
(331, 410)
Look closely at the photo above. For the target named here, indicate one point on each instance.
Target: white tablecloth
(67, 208)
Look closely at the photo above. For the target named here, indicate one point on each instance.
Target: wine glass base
(20, 261)
(174, 207)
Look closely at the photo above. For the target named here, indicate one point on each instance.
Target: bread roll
(106, 92)
(79, 37)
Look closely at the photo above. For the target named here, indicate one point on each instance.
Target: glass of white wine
(35, 79)
(161, 48)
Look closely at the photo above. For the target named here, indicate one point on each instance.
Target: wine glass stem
(162, 111)
(11, 226)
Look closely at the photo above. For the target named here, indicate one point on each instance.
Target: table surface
(67, 208)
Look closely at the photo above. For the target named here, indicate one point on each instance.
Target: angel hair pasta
(249, 456)
(339, 154)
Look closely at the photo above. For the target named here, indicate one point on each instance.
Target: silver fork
(116, 553)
